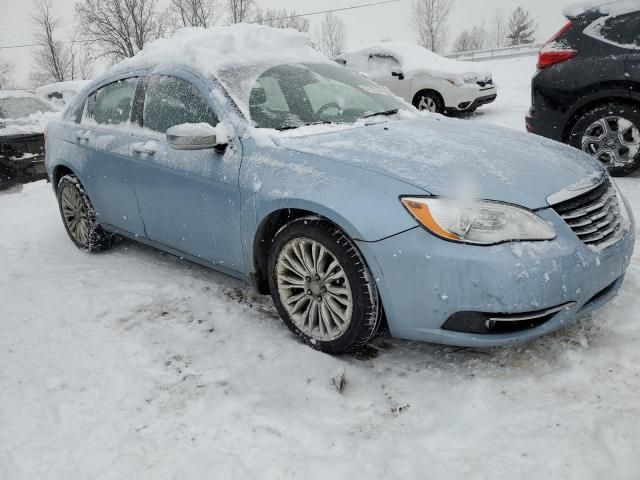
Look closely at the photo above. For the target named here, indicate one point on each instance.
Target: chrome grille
(593, 216)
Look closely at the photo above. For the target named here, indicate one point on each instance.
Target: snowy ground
(133, 364)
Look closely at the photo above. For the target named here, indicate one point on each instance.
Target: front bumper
(423, 281)
(470, 97)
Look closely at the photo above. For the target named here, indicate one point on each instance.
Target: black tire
(429, 94)
(628, 112)
(366, 311)
(97, 238)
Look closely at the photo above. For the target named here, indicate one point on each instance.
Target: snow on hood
(35, 123)
(610, 7)
(67, 90)
(452, 158)
(415, 59)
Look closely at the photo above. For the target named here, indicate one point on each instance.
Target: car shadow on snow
(383, 350)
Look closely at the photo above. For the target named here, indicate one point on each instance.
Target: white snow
(415, 59)
(67, 90)
(607, 7)
(135, 364)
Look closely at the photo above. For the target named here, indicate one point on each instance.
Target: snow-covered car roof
(72, 86)
(415, 59)
(605, 7)
(237, 55)
(22, 112)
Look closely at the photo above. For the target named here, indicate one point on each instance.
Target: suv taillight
(551, 54)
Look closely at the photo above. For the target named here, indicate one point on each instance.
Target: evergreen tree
(521, 28)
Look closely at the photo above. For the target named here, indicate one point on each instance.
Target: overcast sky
(363, 25)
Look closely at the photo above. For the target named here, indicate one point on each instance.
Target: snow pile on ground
(415, 59)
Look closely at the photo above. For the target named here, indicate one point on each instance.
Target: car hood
(452, 157)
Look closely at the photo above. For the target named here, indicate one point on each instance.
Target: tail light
(550, 54)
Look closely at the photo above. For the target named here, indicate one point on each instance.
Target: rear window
(111, 104)
(20, 107)
(620, 30)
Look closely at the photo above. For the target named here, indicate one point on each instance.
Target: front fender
(363, 204)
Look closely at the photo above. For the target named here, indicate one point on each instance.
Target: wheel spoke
(313, 289)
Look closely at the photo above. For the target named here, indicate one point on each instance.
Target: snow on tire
(79, 217)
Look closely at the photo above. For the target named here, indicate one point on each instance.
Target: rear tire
(322, 288)
(79, 217)
(610, 133)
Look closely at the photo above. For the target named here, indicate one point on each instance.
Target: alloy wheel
(75, 214)
(613, 140)
(428, 103)
(314, 289)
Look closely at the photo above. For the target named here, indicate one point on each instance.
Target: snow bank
(415, 59)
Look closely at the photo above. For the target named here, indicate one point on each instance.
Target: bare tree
(119, 28)
(6, 69)
(195, 13)
(469, 40)
(498, 33)
(53, 61)
(282, 19)
(329, 38)
(430, 22)
(522, 28)
(81, 60)
(240, 10)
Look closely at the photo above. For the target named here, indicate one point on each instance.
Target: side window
(381, 66)
(623, 30)
(111, 104)
(171, 101)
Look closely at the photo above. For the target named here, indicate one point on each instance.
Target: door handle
(144, 149)
(82, 136)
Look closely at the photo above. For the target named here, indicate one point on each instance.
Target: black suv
(586, 91)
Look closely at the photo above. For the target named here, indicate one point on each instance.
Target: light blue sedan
(321, 188)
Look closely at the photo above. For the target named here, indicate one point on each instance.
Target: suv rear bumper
(547, 125)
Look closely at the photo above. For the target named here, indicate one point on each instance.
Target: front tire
(610, 133)
(430, 101)
(79, 217)
(322, 288)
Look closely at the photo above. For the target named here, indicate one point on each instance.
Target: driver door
(189, 199)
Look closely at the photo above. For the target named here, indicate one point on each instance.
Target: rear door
(189, 199)
(104, 139)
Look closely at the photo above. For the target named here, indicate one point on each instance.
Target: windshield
(20, 107)
(289, 96)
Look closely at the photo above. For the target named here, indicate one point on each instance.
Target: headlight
(480, 222)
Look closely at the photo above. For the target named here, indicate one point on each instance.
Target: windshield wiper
(291, 127)
(386, 113)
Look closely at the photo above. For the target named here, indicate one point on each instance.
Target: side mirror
(195, 136)
(398, 73)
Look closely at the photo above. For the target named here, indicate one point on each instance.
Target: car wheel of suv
(430, 101)
(322, 287)
(79, 217)
(610, 133)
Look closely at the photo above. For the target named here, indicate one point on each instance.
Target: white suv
(427, 80)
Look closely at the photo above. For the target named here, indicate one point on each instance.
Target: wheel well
(59, 172)
(416, 97)
(267, 231)
(590, 106)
